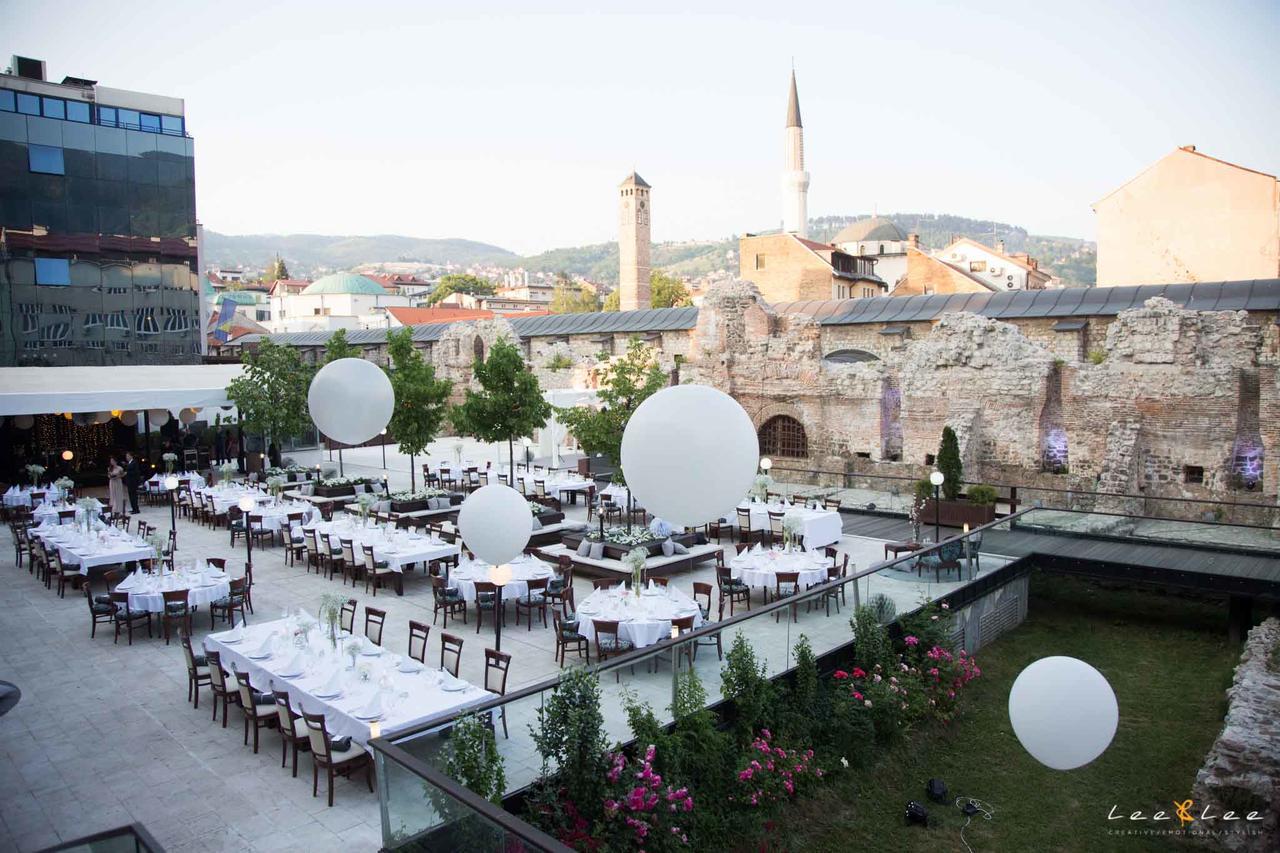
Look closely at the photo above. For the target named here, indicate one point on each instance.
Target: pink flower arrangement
(779, 778)
(911, 640)
(639, 813)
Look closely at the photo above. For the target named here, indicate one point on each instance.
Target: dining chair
(560, 590)
(450, 649)
(295, 545)
(377, 573)
(101, 613)
(609, 643)
(293, 729)
(659, 582)
(446, 600)
(259, 709)
(604, 583)
(487, 599)
(731, 590)
(219, 563)
(835, 557)
(496, 666)
(745, 533)
(336, 762)
(418, 633)
(60, 573)
(197, 668)
(567, 637)
(349, 565)
(534, 599)
(314, 556)
(775, 526)
(347, 617)
(128, 618)
(831, 504)
(786, 585)
(236, 523)
(374, 619)
(177, 611)
(682, 625)
(222, 692)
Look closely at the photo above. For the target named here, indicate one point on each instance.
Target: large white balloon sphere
(1063, 711)
(102, 418)
(495, 523)
(187, 416)
(83, 418)
(158, 417)
(129, 418)
(351, 400)
(689, 453)
(24, 421)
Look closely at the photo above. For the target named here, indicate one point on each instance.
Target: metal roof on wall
(1257, 295)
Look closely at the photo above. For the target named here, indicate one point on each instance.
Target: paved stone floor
(104, 735)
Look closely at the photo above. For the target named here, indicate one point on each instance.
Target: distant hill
(1071, 259)
(307, 254)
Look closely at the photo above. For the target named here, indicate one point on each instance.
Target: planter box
(333, 491)
(550, 518)
(617, 552)
(958, 513)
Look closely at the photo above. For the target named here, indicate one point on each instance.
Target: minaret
(633, 244)
(795, 180)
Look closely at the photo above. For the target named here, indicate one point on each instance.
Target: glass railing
(1137, 529)
(411, 802)
(125, 839)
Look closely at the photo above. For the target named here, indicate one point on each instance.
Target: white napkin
(369, 645)
(759, 549)
(374, 708)
(333, 686)
(294, 666)
(265, 648)
(235, 633)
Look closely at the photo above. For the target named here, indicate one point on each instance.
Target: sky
(493, 122)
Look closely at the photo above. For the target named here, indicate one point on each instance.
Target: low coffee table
(896, 548)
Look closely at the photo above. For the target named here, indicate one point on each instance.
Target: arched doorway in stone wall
(783, 436)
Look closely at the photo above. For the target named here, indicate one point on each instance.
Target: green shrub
(472, 758)
(924, 490)
(883, 607)
(559, 361)
(744, 682)
(982, 495)
(1097, 356)
(950, 465)
(569, 735)
(871, 644)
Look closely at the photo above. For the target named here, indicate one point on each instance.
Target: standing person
(273, 455)
(220, 447)
(115, 487)
(233, 448)
(132, 478)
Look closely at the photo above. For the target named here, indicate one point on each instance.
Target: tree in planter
(569, 735)
(271, 394)
(950, 465)
(337, 347)
(421, 398)
(472, 759)
(744, 682)
(509, 403)
(624, 385)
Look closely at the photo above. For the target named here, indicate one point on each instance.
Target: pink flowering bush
(771, 774)
(639, 812)
(943, 676)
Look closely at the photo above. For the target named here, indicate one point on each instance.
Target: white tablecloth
(523, 569)
(225, 497)
(157, 480)
(276, 516)
(760, 569)
(75, 549)
(399, 548)
(146, 592)
(48, 512)
(21, 495)
(557, 487)
(643, 620)
(822, 527)
(407, 699)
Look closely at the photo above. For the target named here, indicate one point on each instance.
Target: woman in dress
(115, 487)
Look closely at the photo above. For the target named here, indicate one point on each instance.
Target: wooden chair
(128, 618)
(786, 585)
(744, 531)
(775, 526)
(259, 709)
(701, 591)
(496, 666)
(609, 644)
(230, 605)
(731, 590)
(219, 563)
(604, 583)
(60, 573)
(560, 590)
(293, 729)
(835, 557)
(831, 504)
(350, 566)
(21, 543)
(418, 633)
(450, 649)
(222, 692)
(374, 619)
(682, 625)
(295, 545)
(487, 599)
(377, 573)
(311, 548)
(662, 582)
(447, 601)
(101, 613)
(347, 617)
(176, 612)
(236, 524)
(533, 600)
(335, 762)
(567, 637)
(197, 669)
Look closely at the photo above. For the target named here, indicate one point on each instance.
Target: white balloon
(351, 400)
(188, 416)
(24, 421)
(158, 417)
(129, 418)
(102, 418)
(1063, 711)
(82, 418)
(495, 523)
(689, 454)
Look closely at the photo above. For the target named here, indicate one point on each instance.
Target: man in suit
(132, 478)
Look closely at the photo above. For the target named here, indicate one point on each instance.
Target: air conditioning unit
(996, 270)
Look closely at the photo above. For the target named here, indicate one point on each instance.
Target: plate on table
(258, 655)
(367, 719)
(409, 667)
(337, 695)
(454, 686)
(230, 642)
(290, 674)
(371, 653)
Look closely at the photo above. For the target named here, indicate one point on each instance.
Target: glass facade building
(98, 249)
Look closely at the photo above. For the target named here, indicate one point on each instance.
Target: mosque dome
(344, 282)
(877, 228)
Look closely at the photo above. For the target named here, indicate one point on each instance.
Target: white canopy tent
(46, 390)
(554, 432)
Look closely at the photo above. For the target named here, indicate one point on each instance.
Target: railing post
(1013, 499)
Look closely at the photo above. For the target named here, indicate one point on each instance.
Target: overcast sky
(493, 123)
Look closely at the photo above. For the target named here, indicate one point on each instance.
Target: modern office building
(98, 243)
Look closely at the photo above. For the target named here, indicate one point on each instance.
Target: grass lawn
(1168, 661)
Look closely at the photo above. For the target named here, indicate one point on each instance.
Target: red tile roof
(448, 314)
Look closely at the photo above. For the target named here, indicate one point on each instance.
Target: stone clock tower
(633, 244)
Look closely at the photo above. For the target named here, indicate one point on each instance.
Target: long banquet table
(108, 546)
(407, 698)
(399, 548)
(822, 527)
(146, 591)
(523, 569)
(644, 619)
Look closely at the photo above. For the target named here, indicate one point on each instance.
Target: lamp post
(500, 576)
(247, 503)
(384, 450)
(937, 478)
(171, 483)
(765, 465)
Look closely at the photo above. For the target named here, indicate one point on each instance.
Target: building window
(8, 103)
(53, 270)
(45, 160)
(149, 122)
(1193, 475)
(55, 108)
(107, 116)
(759, 262)
(882, 248)
(928, 459)
(78, 111)
(977, 266)
(782, 435)
(28, 104)
(171, 125)
(477, 348)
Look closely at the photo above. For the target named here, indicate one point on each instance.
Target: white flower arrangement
(792, 527)
(344, 481)
(89, 505)
(170, 461)
(620, 536)
(366, 502)
(66, 484)
(419, 495)
(537, 508)
(761, 486)
(35, 472)
(276, 484)
(635, 560)
(291, 469)
(228, 470)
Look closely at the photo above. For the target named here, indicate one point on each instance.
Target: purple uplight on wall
(1246, 462)
(1054, 455)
